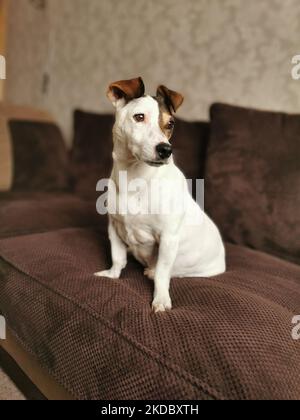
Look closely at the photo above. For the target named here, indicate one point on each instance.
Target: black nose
(164, 150)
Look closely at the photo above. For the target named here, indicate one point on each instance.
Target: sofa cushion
(92, 149)
(13, 112)
(189, 143)
(25, 213)
(228, 337)
(253, 178)
(40, 156)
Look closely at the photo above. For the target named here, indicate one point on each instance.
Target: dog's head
(144, 123)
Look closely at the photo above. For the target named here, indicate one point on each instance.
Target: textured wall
(236, 51)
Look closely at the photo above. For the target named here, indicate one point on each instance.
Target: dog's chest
(135, 227)
(135, 231)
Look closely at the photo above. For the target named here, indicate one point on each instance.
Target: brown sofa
(81, 337)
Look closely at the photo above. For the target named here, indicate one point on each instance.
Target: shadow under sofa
(82, 337)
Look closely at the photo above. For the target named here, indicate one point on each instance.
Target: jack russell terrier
(168, 245)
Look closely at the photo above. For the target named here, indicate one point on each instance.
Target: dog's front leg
(118, 254)
(168, 248)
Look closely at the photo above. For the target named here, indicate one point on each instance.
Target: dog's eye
(170, 125)
(139, 117)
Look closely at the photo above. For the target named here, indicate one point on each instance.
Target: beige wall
(236, 51)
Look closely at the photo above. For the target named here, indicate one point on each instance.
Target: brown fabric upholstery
(92, 149)
(227, 337)
(253, 179)
(8, 112)
(40, 156)
(189, 143)
(25, 213)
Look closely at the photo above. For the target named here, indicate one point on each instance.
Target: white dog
(166, 244)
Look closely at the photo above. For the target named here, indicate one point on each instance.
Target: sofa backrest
(9, 112)
(252, 187)
(32, 150)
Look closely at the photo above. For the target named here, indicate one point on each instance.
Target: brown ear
(172, 99)
(126, 89)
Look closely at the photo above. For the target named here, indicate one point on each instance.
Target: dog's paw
(161, 304)
(150, 273)
(111, 274)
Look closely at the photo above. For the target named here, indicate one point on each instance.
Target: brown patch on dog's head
(168, 101)
(126, 90)
(173, 100)
(166, 119)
